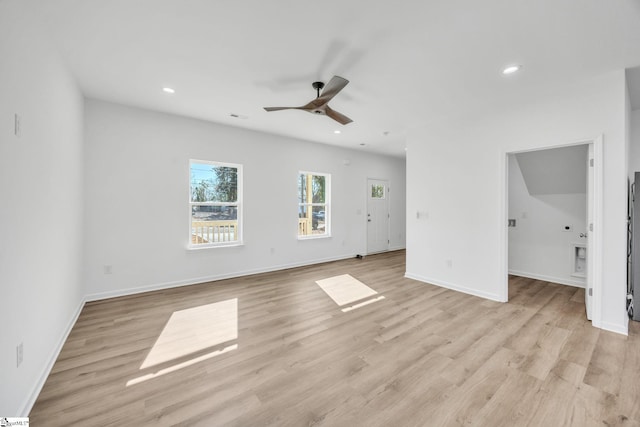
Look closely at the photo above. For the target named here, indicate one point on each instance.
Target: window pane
(213, 224)
(214, 213)
(318, 221)
(318, 188)
(213, 183)
(302, 188)
(314, 194)
(311, 188)
(304, 221)
(303, 211)
(377, 191)
(311, 220)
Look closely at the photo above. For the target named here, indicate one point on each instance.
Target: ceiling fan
(320, 105)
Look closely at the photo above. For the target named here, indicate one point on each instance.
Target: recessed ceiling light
(511, 69)
(363, 144)
(337, 131)
(168, 90)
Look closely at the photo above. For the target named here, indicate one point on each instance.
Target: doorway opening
(377, 215)
(553, 200)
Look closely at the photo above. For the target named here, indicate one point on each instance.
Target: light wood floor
(423, 356)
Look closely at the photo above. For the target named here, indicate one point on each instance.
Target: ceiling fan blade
(335, 85)
(281, 108)
(338, 117)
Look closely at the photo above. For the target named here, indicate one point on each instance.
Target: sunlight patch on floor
(181, 365)
(362, 304)
(346, 289)
(195, 329)
(191, 332)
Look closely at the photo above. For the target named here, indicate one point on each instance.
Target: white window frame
(239, 228)
(326, 204)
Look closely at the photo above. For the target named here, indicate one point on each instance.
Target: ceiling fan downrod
(318, 87)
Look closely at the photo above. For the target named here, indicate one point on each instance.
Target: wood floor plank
(516, 400)
(477, 389)
(580, 345)
(423, 355)
(607, 361)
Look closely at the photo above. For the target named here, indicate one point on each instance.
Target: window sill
(312, 237)
(215, 246)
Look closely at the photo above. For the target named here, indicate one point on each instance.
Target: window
(377, 191)
(215, 203)
(314, 197)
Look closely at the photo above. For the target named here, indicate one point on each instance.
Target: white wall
(456, 176)
(41, 206)
(137, 192)
(538, 246)
(634, 142)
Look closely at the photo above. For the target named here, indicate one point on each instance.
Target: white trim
(504, 218)
(314, 237)
(454, 287)
(212, 278)
(596, 237)
(27, 405)
(192, 248)
(614, 327)
(558, 280)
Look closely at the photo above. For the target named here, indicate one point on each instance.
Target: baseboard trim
(26, 407)
(197, 280)
(614, 327)
(558, 280)
(454, 287)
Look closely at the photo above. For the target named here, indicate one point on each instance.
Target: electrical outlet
(108, 269)
(19, 355)
(449, 263)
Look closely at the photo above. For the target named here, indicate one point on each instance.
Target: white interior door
(377, 215)
(588, 292)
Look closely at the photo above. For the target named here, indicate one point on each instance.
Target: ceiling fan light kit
(320, 105)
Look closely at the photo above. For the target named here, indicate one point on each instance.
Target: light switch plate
(16, 125)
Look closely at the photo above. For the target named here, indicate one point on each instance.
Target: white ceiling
(409, 62)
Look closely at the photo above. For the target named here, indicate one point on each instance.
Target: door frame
(366, 210)
(595, 236)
